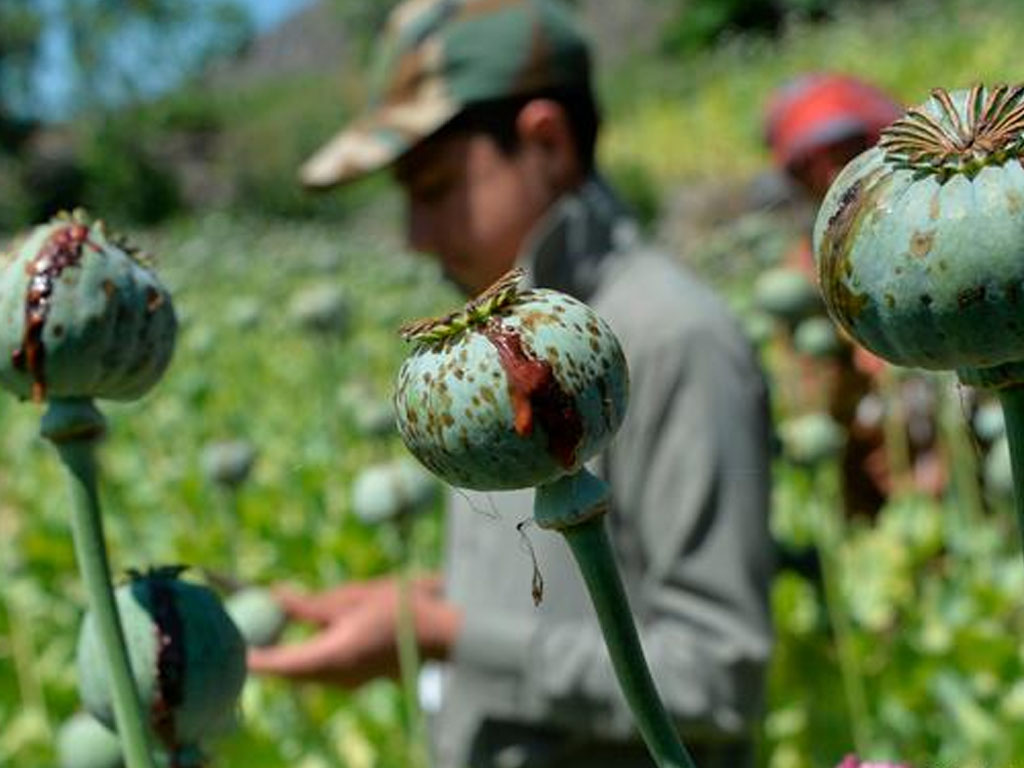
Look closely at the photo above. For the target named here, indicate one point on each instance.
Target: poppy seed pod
(920, 240)
(257, 614)
(816, 337)
(321, 308)
(811, 438)
(228, 462)
(390, 490)
(518, 389)
(84, 742)
(187, 658)
(786, 294)
(81, 315)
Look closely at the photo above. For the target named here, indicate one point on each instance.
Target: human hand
(356, 625)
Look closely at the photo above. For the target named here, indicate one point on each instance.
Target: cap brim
(374, 142)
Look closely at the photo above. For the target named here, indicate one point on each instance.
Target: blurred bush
(122, 176)
(697, 24)
(639, 190)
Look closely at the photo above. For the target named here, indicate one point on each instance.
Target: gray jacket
(689, 472)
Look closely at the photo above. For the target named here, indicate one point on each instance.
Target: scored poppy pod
(516, 390)
(81, 315)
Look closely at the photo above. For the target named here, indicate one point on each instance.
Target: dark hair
(496, 118)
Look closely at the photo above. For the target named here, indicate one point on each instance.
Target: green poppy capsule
(920, 240)
(816, 337)
(257, 614)
(81, 315)
(187, 658)
(812, 438)
(786, 294)
(518, 389)
(391, 490)
(84, 742)
(228, 462)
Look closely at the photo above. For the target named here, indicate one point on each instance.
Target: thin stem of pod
(963, 462)
(828, 535)
(1012, 400)
(23, 652)
(408, 649)
(74, 426)
(19, 623)
(894, 428)
(575, 507)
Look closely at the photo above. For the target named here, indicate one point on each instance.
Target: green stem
(408, 651)
(1012, 400)
(589, 543)
(228, 507)
(313, 733)
(963, 463)
(74, 426)
(894, 428)
(19, 623)
(828, 534)
(19, 627)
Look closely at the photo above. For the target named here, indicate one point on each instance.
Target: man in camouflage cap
(438, 57)
(484, 111)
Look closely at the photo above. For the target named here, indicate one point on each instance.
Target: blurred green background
(197, 163)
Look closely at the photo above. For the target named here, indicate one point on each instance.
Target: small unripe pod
(321, 309)
(387, 491)
(229, 462)
(812, 438)
(258, 616)
(187, 658)
(81, 315)
(375, 419)
(998, 470)
(989, 423)
(758, 327)
(786, 294)
(84, 742)
(517, 390)
(817, 337)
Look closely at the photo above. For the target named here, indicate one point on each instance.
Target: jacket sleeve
(689, 471)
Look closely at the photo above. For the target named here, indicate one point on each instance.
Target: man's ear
(543, 125)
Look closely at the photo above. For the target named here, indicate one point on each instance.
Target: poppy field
(897, 632)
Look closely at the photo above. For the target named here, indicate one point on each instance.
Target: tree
(108, 52)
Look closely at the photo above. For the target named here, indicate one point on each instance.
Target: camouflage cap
(436, 57)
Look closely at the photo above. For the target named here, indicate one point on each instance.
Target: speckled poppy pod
(516, 390)
(187, 658)
(81, 315)
(920, 240)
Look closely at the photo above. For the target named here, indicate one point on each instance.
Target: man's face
(470, 206)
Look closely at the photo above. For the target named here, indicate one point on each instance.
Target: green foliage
(363, 20)
(14, 203)
(269, 132)
(702, 119)
(698, 23)
(20, 27)
(264, 381)
(934, 593)
(123, 177)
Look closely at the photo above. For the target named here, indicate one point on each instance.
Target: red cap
(816, 110)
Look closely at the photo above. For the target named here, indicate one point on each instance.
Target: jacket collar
(578, 238)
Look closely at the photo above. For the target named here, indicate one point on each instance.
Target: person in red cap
(817, 123)
(814, 125)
